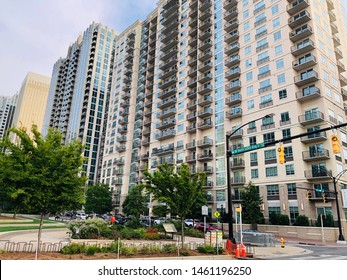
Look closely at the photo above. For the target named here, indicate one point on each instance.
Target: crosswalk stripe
(322, 257)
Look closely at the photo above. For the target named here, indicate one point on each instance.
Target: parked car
(159, 221)
(190, 222)
(200, 226)
(81, 216)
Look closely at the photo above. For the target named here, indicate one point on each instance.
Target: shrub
(149, 249)
(128, 251)
(208, 249)
(91, 250)
(194, 233)
(73, 248)
(273, 218)
(328, 221)
(91, 228)
(152, 234)
(283, 219)
(169, 248)
(302, 220)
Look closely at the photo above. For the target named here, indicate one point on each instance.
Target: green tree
(98, 199)
(41, 175)
(251, 203)
(160, 210)
(135, 203)
(179, 190)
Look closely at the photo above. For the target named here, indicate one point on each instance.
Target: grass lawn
(16, 228)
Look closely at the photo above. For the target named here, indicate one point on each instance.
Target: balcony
(233, 86)
(167, 92)
(231, 14)
(167, 102)
(206, 14)
(231, 25)
(206, 169)
(307, 77)
(205, 156)
(190, 159)
(168, 82)
(206, 100)
(206, 142)
(233, 60)
(121, 148)
(233, 113)
(308, 94)
(334, 28)
(300, 33)
(146, 142)
(166, 123)
(206, 124)
(206, 112)
(205, 45)
(167, 113)
(311, 117)
(296, 6)
(168, 63)
(233, 73)
(237, 163)
(338, 53)
(317, 174)
(192, 94)
(205, 35)
(238, 180)
(304, 62)
(337, 41)
(230, 3)
(205, 55)
(235, 134)
(343, 80)
(315, 155)
(232, 48)
(299, 19)
(191, 128)
(205, 24)
(233, 99)
(332, 16)
(191, 105)
(205, 66)
(232, 36)
(191, 116)
(302, 47)
(166, 134)
(341, 67)
(191, 146)
(165, 151)
(205, 78)
(121, 139)
(317, 137)
(205, 89)
(208, 185)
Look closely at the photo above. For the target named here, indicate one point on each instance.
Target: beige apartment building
(194, 71)
(32, 100)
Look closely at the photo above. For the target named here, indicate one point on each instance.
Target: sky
(35, 33)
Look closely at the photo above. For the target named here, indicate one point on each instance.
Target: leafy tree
(135, 203)
(98, 199)
(179, 190)
(160, 210)
(251, 203)
(283, 219)
(41, 175)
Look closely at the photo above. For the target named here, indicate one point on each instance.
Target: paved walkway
(61, 235)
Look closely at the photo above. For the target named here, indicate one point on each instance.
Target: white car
(190, 222)
(81, 216)
(158, 221)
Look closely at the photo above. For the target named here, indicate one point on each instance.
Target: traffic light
(308, 195)
(229, 153)
(324, 196)
(281, 156)
(335, 144)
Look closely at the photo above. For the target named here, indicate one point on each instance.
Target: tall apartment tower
(194, 71)
(7, 107)
(79, 91)
(32, 100)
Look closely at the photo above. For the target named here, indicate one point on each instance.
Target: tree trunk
(39, 233)
(182, 232)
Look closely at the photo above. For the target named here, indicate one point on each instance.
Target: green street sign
(319, 190)
(248, 148)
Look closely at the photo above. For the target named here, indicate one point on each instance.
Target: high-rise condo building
(7, 106)
(79, 91)
(194, 71)
(31, 103)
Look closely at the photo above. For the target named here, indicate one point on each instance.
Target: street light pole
(228, 155)
(340, 238)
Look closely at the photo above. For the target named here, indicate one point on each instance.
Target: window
(274, 9)
(288, 152)
(282, 94)
(248, 62)
(276, 22)
(281, 78)
(270, 154)
(278, 49)
(253, 157)
(266, 99)
(280, 63)
(269, 137)
(254, 173)
(285, 117)
(291, 188)
(286, 133)
(249, 90)
(272, 190)
(249, 76)
(247, 37)
(250, 104)
(252, 140)
(271, 171)
(246, 25)
(290, 169)
(274, 210)
(247, 50)
(277, 35)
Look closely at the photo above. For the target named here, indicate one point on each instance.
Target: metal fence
(256, 238)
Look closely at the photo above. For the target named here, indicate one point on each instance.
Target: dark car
(200, 226)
